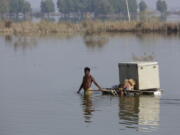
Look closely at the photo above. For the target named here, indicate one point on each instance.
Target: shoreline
(88, 27)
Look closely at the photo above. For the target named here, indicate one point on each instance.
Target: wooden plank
(130, 91)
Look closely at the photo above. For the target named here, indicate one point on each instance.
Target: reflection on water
(145, 57)
(149, 113)
(21, 42)
(140, 113)
(8, 38)
(128, 111)
(88, 107)
(24, 43)
(145, 37)
(95, 40)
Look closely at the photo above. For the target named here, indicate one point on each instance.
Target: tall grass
(43, 27)
(123, 26)
(88, 27)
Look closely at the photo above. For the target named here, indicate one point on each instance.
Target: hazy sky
(171, 3)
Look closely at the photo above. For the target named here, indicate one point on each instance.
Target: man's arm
(97, 85)
(81, 86)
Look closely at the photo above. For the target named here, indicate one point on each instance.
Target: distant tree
(65, 6)
(103, 7)
(116, 5)
(90, 5)
(161, 6)
(99, 7)
(47, 6)
(132, 7)
(82, 6)
(27, 7)
(19, 6)
(4, 6)
(142, 6)
(14, 6)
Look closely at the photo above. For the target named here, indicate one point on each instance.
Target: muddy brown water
(39, 77)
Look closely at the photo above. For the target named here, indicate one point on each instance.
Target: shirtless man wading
(88, 79)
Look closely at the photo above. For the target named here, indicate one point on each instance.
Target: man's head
(87, 70)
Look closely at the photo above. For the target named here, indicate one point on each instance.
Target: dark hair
(87, 69)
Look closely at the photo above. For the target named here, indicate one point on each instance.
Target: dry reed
(88, 27)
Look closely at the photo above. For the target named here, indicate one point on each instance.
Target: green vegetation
(143, 11)
(161, 6)
(80, 9)
(133, 6)
(19, 6)
(142, 6)
(76, 6)
(14, 7)
(4, 5)
(100, 7)
(26, 7)
(47, 6)
(103, 7)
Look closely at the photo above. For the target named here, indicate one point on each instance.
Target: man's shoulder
(91, 76)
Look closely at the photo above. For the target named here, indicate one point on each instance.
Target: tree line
(15, 6)
(100, 7)
(80, 7)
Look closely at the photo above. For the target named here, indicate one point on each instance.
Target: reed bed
(43, 27)
(88, 27)
(120, 26)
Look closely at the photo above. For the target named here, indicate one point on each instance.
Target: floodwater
(39, 77)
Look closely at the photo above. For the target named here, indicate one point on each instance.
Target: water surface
(39, 77)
